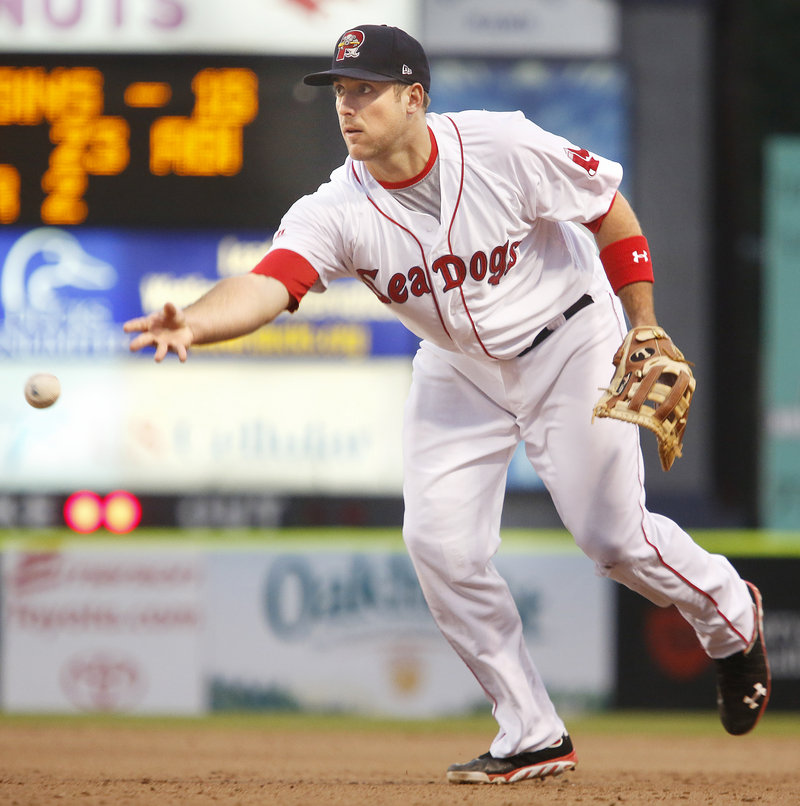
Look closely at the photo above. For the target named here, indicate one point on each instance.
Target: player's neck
(420, 175)
(409, 160)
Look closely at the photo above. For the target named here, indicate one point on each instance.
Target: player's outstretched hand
(166, 330)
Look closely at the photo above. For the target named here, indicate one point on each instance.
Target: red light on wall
(122, 512)
(85, 512)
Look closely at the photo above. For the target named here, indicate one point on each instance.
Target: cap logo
(349, 45)
(407, 71)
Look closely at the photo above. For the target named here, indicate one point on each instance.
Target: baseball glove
(652, 387)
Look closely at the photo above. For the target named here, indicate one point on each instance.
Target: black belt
(570, 312)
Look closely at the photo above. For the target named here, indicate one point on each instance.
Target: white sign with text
(319, 628)
(210, 424)
(293, 27)
(98, 630)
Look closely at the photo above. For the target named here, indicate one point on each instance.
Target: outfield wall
(188, 628)
(298, 622)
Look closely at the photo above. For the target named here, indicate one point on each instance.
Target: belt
(557, 322)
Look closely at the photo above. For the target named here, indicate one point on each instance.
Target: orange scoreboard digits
(209, 142)
(70, 101)
(67, 129)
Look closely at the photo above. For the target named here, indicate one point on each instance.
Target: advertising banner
(660, 663)
(102, 630)
(339, 625)
(65, 292)
(253, 26)
(315, 627)
(511, 28)
(234, 425)
(315, 427)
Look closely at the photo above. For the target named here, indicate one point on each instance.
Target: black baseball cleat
(553, 760)
(743, 680)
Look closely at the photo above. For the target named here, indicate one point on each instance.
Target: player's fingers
(142, 340)
(133, 325)
(180, 349)
(161, 350)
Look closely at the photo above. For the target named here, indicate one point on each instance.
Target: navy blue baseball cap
(376, 53)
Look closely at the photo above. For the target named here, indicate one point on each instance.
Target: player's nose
(344, 105)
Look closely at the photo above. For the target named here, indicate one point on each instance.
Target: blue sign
(66, 292)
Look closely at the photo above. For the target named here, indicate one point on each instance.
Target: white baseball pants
(464, 418)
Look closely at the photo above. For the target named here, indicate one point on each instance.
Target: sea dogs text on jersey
(452, 270)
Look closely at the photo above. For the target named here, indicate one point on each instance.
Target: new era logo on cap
(376, 53)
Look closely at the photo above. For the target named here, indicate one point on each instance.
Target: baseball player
(514, 257)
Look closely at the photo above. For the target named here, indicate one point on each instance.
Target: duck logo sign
(54, 295)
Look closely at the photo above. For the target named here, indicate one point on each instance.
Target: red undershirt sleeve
(291, 269)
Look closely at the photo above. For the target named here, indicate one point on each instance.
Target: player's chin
(357, 149)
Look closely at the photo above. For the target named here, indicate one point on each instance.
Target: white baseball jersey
(503, 260)
(507, 257)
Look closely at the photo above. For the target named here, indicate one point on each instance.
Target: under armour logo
(407, 71)
(637, 256)
(758, 692)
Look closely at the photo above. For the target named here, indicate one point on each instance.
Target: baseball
(42, 390)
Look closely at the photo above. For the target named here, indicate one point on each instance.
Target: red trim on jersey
(680, 576)
(421, 250)
(450, 245)
(431, 285)
(460, 184)
(407, 183)
(594, 226)
(622, 328)
(627, 261)
(291, 269)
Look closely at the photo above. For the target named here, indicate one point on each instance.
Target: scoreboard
(160, 141)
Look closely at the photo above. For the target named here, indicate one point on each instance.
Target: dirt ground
(116, 765)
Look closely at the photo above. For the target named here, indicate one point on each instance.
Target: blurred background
(149, 148)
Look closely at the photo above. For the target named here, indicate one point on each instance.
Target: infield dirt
(68, 762)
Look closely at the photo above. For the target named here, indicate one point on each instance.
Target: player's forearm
(637, 300)
(635, 293)
(234, 307)
(620, 222)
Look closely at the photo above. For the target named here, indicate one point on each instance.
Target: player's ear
(416, 98)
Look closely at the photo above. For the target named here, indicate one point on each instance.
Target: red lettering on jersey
(418, 281)
(513, 254)
(397, 288)
(497, 263)
(367, 277)
(478, 265)
(580, 156)
(453, 270)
